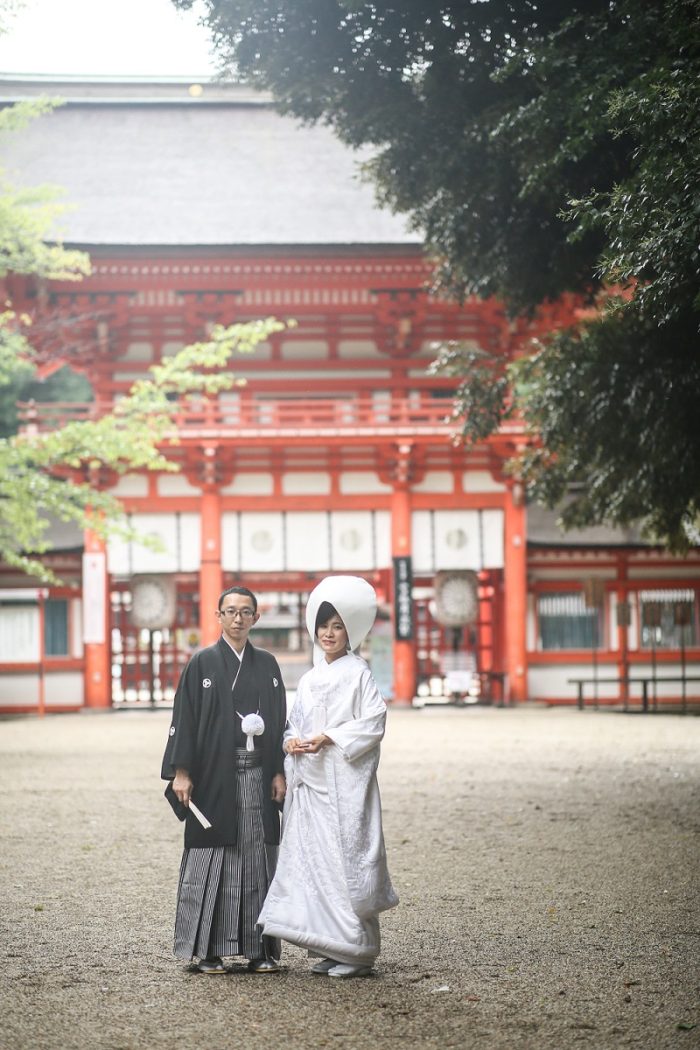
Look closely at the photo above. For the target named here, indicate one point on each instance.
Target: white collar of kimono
(355, 601)
(239, 655)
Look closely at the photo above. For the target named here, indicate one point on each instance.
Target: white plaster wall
(457, 539)
(362, 481)
(250, 484)
(492, 531)
(298, 349)
(262, 542)
(18, 690)
(550, 682)
(64, 688)
(75, 626)
(436, 481)
(357, 348)
(308, 546)
(481, 481)
(422, 541)
(131, 485)
(352, 544)
(176, 485)
(306, 483)
(230, 540)
(190, 554)
(164, 527)
(382, 528)
(138, 351)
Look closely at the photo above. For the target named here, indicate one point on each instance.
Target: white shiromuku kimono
(332, 878)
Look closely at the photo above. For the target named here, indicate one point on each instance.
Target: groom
(231, 768)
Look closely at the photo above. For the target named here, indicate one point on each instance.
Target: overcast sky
(105, 37)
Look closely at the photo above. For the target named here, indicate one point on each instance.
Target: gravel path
(547, 862)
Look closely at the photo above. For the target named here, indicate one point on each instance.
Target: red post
(404, 651)
(42, 596)
(622, 628)
(210, 573)
(98, 679)
(515, 580)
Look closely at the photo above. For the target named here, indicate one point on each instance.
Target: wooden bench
(644, 681)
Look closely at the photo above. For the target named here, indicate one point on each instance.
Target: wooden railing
(258, 417)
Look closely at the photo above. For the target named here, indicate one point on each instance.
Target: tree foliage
(541, 148)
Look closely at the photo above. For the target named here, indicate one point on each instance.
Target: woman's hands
(307, 747)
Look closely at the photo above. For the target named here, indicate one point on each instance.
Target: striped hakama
(222, 888)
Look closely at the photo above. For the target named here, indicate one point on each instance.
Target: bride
(332, 878)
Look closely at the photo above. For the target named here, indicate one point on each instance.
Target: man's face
(236, 617)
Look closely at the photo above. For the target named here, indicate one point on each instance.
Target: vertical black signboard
(403, 604)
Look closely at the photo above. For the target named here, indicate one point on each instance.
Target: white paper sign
(94, 598)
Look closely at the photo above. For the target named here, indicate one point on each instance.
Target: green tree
(541, 148)
(46, 475)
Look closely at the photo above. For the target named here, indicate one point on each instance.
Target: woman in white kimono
(332, 878)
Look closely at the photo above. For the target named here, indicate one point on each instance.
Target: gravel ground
(547, 863)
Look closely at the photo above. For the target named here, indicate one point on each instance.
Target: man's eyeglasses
(235, 614)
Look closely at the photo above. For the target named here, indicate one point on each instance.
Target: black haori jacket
(203, 737)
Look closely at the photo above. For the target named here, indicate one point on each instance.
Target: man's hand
(279, 788)
(182, 786)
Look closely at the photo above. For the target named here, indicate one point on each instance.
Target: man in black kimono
(224, 754)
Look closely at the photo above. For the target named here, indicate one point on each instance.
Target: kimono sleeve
(181, 748)
(366, 729)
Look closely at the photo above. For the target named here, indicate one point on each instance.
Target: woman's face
(333, 638)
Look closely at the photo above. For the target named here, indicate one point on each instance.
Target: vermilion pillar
(404, 651)
(623, 619)
(98, 679)
(210, 574)
(515, 585)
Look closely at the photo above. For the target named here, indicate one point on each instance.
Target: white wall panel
(164, 526)
(353, 540)
(19, 632)
(190, 555)
(305, 483)
(64, 688)
(436, 481)
(250, 484)
(230, 540)
(457, 539)
(382, 533)
(298, 349)
(422, 541)
(481, 481)
(492, 525)
(362, 481)
(307, 542)
(550, 682)
(176, 485)
(18, 690)
(138, 351)
(118, 556)
(75, 626)
(131, 485)
(358, 348)
(262, 546)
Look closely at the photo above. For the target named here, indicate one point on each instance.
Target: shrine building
(201, 206)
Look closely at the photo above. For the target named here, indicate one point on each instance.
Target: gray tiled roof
(147, 164)
(543, 531)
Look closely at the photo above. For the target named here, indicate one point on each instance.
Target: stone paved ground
(547, 863)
